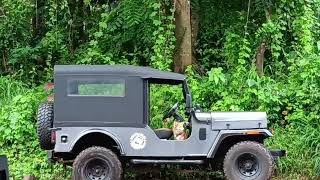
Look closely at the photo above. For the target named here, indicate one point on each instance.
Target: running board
(169, 161)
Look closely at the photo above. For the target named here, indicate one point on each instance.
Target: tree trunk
(260, 58)
(183, 54)
(77, 33)
(195, 30)
(195, 18)
(38, 21)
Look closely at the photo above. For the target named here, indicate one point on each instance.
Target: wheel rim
(248, 165)
(97, 169)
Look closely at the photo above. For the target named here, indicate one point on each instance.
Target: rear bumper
(278, 153)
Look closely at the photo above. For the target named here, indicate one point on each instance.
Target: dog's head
(178, 127)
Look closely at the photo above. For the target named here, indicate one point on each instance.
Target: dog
(179, 132)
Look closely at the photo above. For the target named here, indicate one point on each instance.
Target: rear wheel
(45, 122)
(248, 161)
(97, 163)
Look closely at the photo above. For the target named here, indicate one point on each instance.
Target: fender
(112, 136)
(223, 134)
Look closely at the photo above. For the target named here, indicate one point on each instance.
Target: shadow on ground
(169, 173)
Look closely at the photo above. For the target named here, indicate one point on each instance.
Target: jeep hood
(234, 120)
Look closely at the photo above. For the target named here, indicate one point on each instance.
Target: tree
(183, 33)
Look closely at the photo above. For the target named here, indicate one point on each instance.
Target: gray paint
(161, 161)
(155, 147)
(121, 117)
(118, 70)
(238, 120)
(234, 120)
(227, 133)
(98, 111)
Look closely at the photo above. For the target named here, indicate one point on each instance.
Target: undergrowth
(36, 35)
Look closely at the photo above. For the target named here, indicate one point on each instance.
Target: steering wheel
(172, 111)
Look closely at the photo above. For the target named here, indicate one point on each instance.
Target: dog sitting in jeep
(179, 131)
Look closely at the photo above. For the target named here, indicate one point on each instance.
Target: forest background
(244, 55)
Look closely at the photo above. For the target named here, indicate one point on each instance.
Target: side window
(96, 87)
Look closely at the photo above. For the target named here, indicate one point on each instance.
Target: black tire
(247, 161)
(45, 122)
(97, 163)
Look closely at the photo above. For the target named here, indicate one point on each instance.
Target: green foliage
(45, 33)
(35, 35)
(231, 37)
(18, 138)
(116, 89)
(10, 89)
(162, 98)
(302, 161)
(163, 36)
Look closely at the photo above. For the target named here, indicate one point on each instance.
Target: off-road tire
(89, 155)
(233, 167)
(45, 122)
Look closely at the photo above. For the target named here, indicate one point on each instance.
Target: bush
(302, 146)
(18, 138)
(10, 88)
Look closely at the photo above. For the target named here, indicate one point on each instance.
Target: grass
(302, 155)
(10, 88)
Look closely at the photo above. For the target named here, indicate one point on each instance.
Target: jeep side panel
(78, 102)
(143, 142)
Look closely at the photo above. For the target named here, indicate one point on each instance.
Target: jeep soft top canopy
(79, 98)
(123, 70)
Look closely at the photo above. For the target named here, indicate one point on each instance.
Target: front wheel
(248, 161)
(97, 163)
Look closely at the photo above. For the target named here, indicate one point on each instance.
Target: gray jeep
(99, 121)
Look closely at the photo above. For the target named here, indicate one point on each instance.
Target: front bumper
(278, 153)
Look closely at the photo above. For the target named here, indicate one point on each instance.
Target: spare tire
(45, 122)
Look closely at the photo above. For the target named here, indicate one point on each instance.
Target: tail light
(53, 137)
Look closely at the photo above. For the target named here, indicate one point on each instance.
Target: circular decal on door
(138, 141)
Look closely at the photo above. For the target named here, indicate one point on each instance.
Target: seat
(164, 133)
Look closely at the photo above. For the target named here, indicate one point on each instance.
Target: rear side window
(97, 87)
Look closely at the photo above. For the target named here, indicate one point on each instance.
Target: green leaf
(103, 25)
